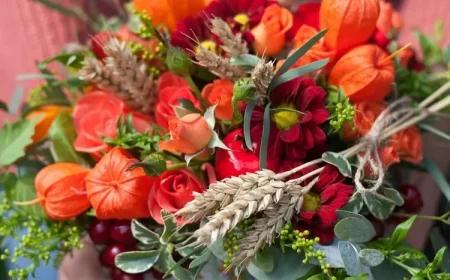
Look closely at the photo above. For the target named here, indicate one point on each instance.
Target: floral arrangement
(239, 137)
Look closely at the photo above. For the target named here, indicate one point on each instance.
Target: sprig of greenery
(340, 108)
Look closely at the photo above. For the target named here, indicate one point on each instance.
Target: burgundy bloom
(328, 195)
(299, 110)
(190, 31)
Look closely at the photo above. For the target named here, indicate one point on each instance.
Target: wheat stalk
(218, 65)
(233, 44)
(221, 194)
(262, 75)
(122, 73)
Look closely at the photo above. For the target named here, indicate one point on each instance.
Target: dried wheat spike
(262, 75)
(233, 44)
(257, 200)
(218, 65)
(221, 194)
(122, 73)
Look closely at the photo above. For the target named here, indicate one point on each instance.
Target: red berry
(121, 232)
(380, 39)
(99, 231)
(238, 160)
(117, 274)
(156, 274)
(378, 226)
(412, 197)
(108, 256)
(98, 42)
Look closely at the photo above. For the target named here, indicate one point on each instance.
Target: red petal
(291, 134)
(327, 214)
(307, 215)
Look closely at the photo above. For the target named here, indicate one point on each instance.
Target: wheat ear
(233, 44)
(262, 75)
(218, 65)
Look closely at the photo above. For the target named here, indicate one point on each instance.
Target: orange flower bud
(48, 114)
(408, 144)
(349, 22)
(189, 135)
(61, 190)
(365, 73)
(389, 18)
(169, 12)
(270, 32)
(220, 92)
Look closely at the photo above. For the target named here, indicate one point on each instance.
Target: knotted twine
(372, 141)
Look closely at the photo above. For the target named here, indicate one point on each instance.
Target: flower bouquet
(234, 137)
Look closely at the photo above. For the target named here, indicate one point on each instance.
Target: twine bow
(371, 143)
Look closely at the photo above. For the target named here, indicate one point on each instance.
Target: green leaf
(400, 233)
(62, 134)
(342, 214)
(362, 276)
(137, 261)
(25, 191)
(264, 260)
(75, 12)
(217, 249)
(393, 195)
(247, 120)
(339, 161)
(265, 138)
(14, 138)
(188, 105)
(349, 254)
(298, 72)
(320, 276)
(287, 266)
(143, 234)
(74, 60)
(378, 205)
(438, 241)
(371, 257)
(170, 227)
(16, 99)
(8, 180)
(435, 131)
(447, 55)
(245, 60)
(354, 229)
(154, 165)
(437, 260)
(182, 261)
(440, 179)
(202, 259)
(387, 271)
(291, 60)
(166, 262)
(3, 106)
(355, 204)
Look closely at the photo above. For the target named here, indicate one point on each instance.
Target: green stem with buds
(444, 218)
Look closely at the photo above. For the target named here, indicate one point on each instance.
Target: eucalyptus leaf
(247, 120)
(265, 138)
(332, 254)
(342, 214)
(339, 161)
(354, 229)
(264, 260)
(400, 233)
(371, 257)
(362, 276)
(143, 234)
(137, 261)
(170, 226)
(349, 253)
(378, 205)
(393, 195)
(14, 138)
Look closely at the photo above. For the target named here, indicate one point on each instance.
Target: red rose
(171, 191)
(96, 115)
(171, 89)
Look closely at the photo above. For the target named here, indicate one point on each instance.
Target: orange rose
(170, 12)
(270, 32)
(366, 112)
(408, 144)
(189, 135)
(220, 92)
(48, 114)
(389, 18)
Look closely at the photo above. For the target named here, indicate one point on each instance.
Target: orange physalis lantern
(61, 191)
(47, 115)
(349, 22)
(366, 73)
(114, 191)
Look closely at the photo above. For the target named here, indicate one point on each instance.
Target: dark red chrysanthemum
(328, 195)
(299, 110)
(190, 31)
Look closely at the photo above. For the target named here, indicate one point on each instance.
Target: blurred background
(31, 32)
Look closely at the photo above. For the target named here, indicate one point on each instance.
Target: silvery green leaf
(181, 112)
(143, 234)
(215, 142)
(264, 260)
(188, 158)
(209, 116)
(202, 259)
(342, 214)
(217, 249)
(354, 229)
(349, 254)
(371, 257)
(379, 206)
(339, 161)
(137, 261)
(355, 203)
(393, 195)
(170, 227)
(332, 254)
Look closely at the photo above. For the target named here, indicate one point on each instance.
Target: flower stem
(195, 90)
(442, 218)
(411, 270)
(176, 166)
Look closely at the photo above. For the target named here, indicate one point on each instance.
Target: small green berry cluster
(410, 257)
(231, 239)
(340, 113)
(299, 242)
(41, 238)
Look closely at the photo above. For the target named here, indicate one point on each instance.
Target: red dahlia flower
(300, 109)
